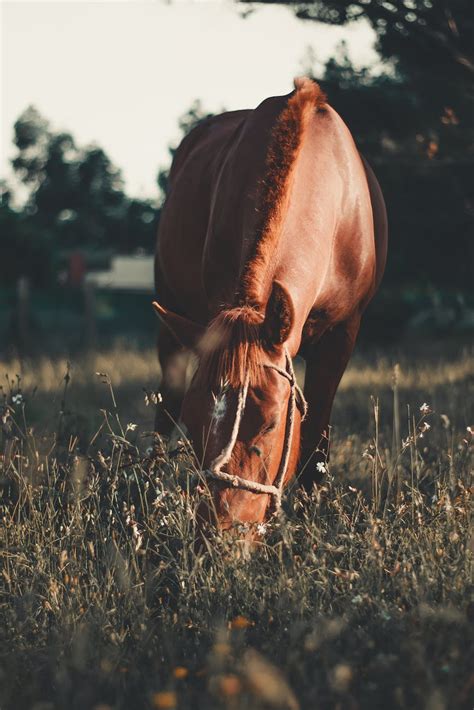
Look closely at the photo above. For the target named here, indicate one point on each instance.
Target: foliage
(25, 248)
(358, 597)
(76, 199)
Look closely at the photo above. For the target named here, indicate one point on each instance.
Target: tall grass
(357, 597)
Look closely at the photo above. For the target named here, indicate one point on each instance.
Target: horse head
(243, 409)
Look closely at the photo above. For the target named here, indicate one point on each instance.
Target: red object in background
(77, 268)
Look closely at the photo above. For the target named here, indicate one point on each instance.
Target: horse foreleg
(173, 361)
(325, 365)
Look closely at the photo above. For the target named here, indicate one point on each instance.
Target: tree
(25, 248)
(76, 194)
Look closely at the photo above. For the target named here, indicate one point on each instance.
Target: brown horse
(271, 243)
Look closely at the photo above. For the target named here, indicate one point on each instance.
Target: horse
(271, 243)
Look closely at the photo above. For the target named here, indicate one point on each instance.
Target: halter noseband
(296, 400)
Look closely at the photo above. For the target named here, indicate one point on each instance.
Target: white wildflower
(321, 467)
(425, 409)
(261, 528)
(17, 398)
(131, 426)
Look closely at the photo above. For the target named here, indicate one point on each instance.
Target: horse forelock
(232, 349)
(285, 142)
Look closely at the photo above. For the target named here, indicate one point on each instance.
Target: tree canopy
(75, 199)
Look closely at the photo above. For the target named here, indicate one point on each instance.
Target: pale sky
(120, 73)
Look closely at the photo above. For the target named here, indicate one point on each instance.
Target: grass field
(357, 597)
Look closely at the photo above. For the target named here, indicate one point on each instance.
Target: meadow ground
(357, 597)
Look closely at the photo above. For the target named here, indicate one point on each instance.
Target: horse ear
(279, 315)
(186, 332)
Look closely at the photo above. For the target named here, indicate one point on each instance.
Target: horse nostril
(256, 450)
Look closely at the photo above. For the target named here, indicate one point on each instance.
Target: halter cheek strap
(276, 489)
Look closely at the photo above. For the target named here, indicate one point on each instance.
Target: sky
(119, 73)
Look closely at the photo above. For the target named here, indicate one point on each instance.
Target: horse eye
(269, 427)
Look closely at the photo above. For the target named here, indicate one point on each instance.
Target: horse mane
(233, 347)
(285, 142)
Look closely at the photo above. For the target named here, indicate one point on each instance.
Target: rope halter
(296, 399)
